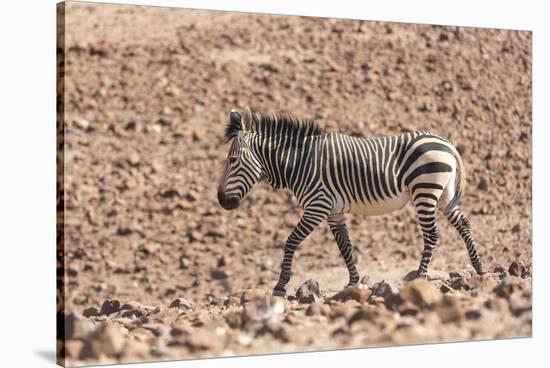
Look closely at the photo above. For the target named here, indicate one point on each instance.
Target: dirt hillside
(156, 269)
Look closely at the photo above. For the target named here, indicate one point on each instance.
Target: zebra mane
(271, 124)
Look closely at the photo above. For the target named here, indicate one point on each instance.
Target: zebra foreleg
(339, 229)
(462, 225)
(310, 219)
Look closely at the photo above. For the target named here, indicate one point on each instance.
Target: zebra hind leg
(339, 230)
(426, 218)
(464, 228)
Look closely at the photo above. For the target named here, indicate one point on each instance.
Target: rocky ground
(155, 269)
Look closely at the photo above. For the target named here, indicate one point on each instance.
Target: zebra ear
(246, 119)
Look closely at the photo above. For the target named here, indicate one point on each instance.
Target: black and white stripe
(332, 174)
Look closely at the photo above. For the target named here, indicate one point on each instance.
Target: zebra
(332, 174)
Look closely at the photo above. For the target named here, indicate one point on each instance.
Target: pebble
(308, 292)
(109, 306)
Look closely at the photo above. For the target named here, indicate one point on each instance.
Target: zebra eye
(233, 159)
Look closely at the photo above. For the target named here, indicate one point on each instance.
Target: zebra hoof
(277, 292)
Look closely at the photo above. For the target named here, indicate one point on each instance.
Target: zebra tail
(460, 183)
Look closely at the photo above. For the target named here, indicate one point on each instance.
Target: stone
(73, 348)
(234, 318)
(253, 295)
(317, 309)
(340, 310)
(371, 317)
(407, 309)
(131, 305)
(421, 293)
(232, 301)
(485, 283)
(299, 335)
(106, 340)
(82, 123)
(517, 268)
(450, 309)
(359, 293)
(498, 305)
(308, 292)
(136, 349)
(437, 275)
(460, 283)
(109, 306)
(507, 286)
(151, 247)
(388, 291)
(182, 304)
(519, 303)
(77, 327)
(90, 312)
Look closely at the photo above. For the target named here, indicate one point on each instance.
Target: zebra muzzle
(229, 203)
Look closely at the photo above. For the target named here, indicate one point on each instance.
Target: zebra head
(242, 169)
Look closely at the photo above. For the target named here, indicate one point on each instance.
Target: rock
(359, 293)
(437, 275)
(106, 339)
(90, 312)
(253, 295)
(232, 301)
(299, 335)
(219, 273)
(339, 310)
(450, 309)
(460, 283)
(109, 306)
(182, 304)
(263, 309)
(317, 309)
(473, 314)
(407, 309)
(136, 349)
(308, 292)
(134, 159)
(234, 318)
(198, 134)
(519, 303)
(77, 327)
(131, 305)
(517, 268)
(421, 293)
(151, 247)
(203, 339)
(369, 317)
(496, 305)
(73, 348)
(507, 286)
(386, 290)
(82, 123)
(367, 281)
(485, 283)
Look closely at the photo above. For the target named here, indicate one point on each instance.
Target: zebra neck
(283, 161)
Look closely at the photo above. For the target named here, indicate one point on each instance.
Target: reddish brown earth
(155, 269)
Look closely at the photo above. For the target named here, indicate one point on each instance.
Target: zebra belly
(382, 206)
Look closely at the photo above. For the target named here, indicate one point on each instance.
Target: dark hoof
(277, 292)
